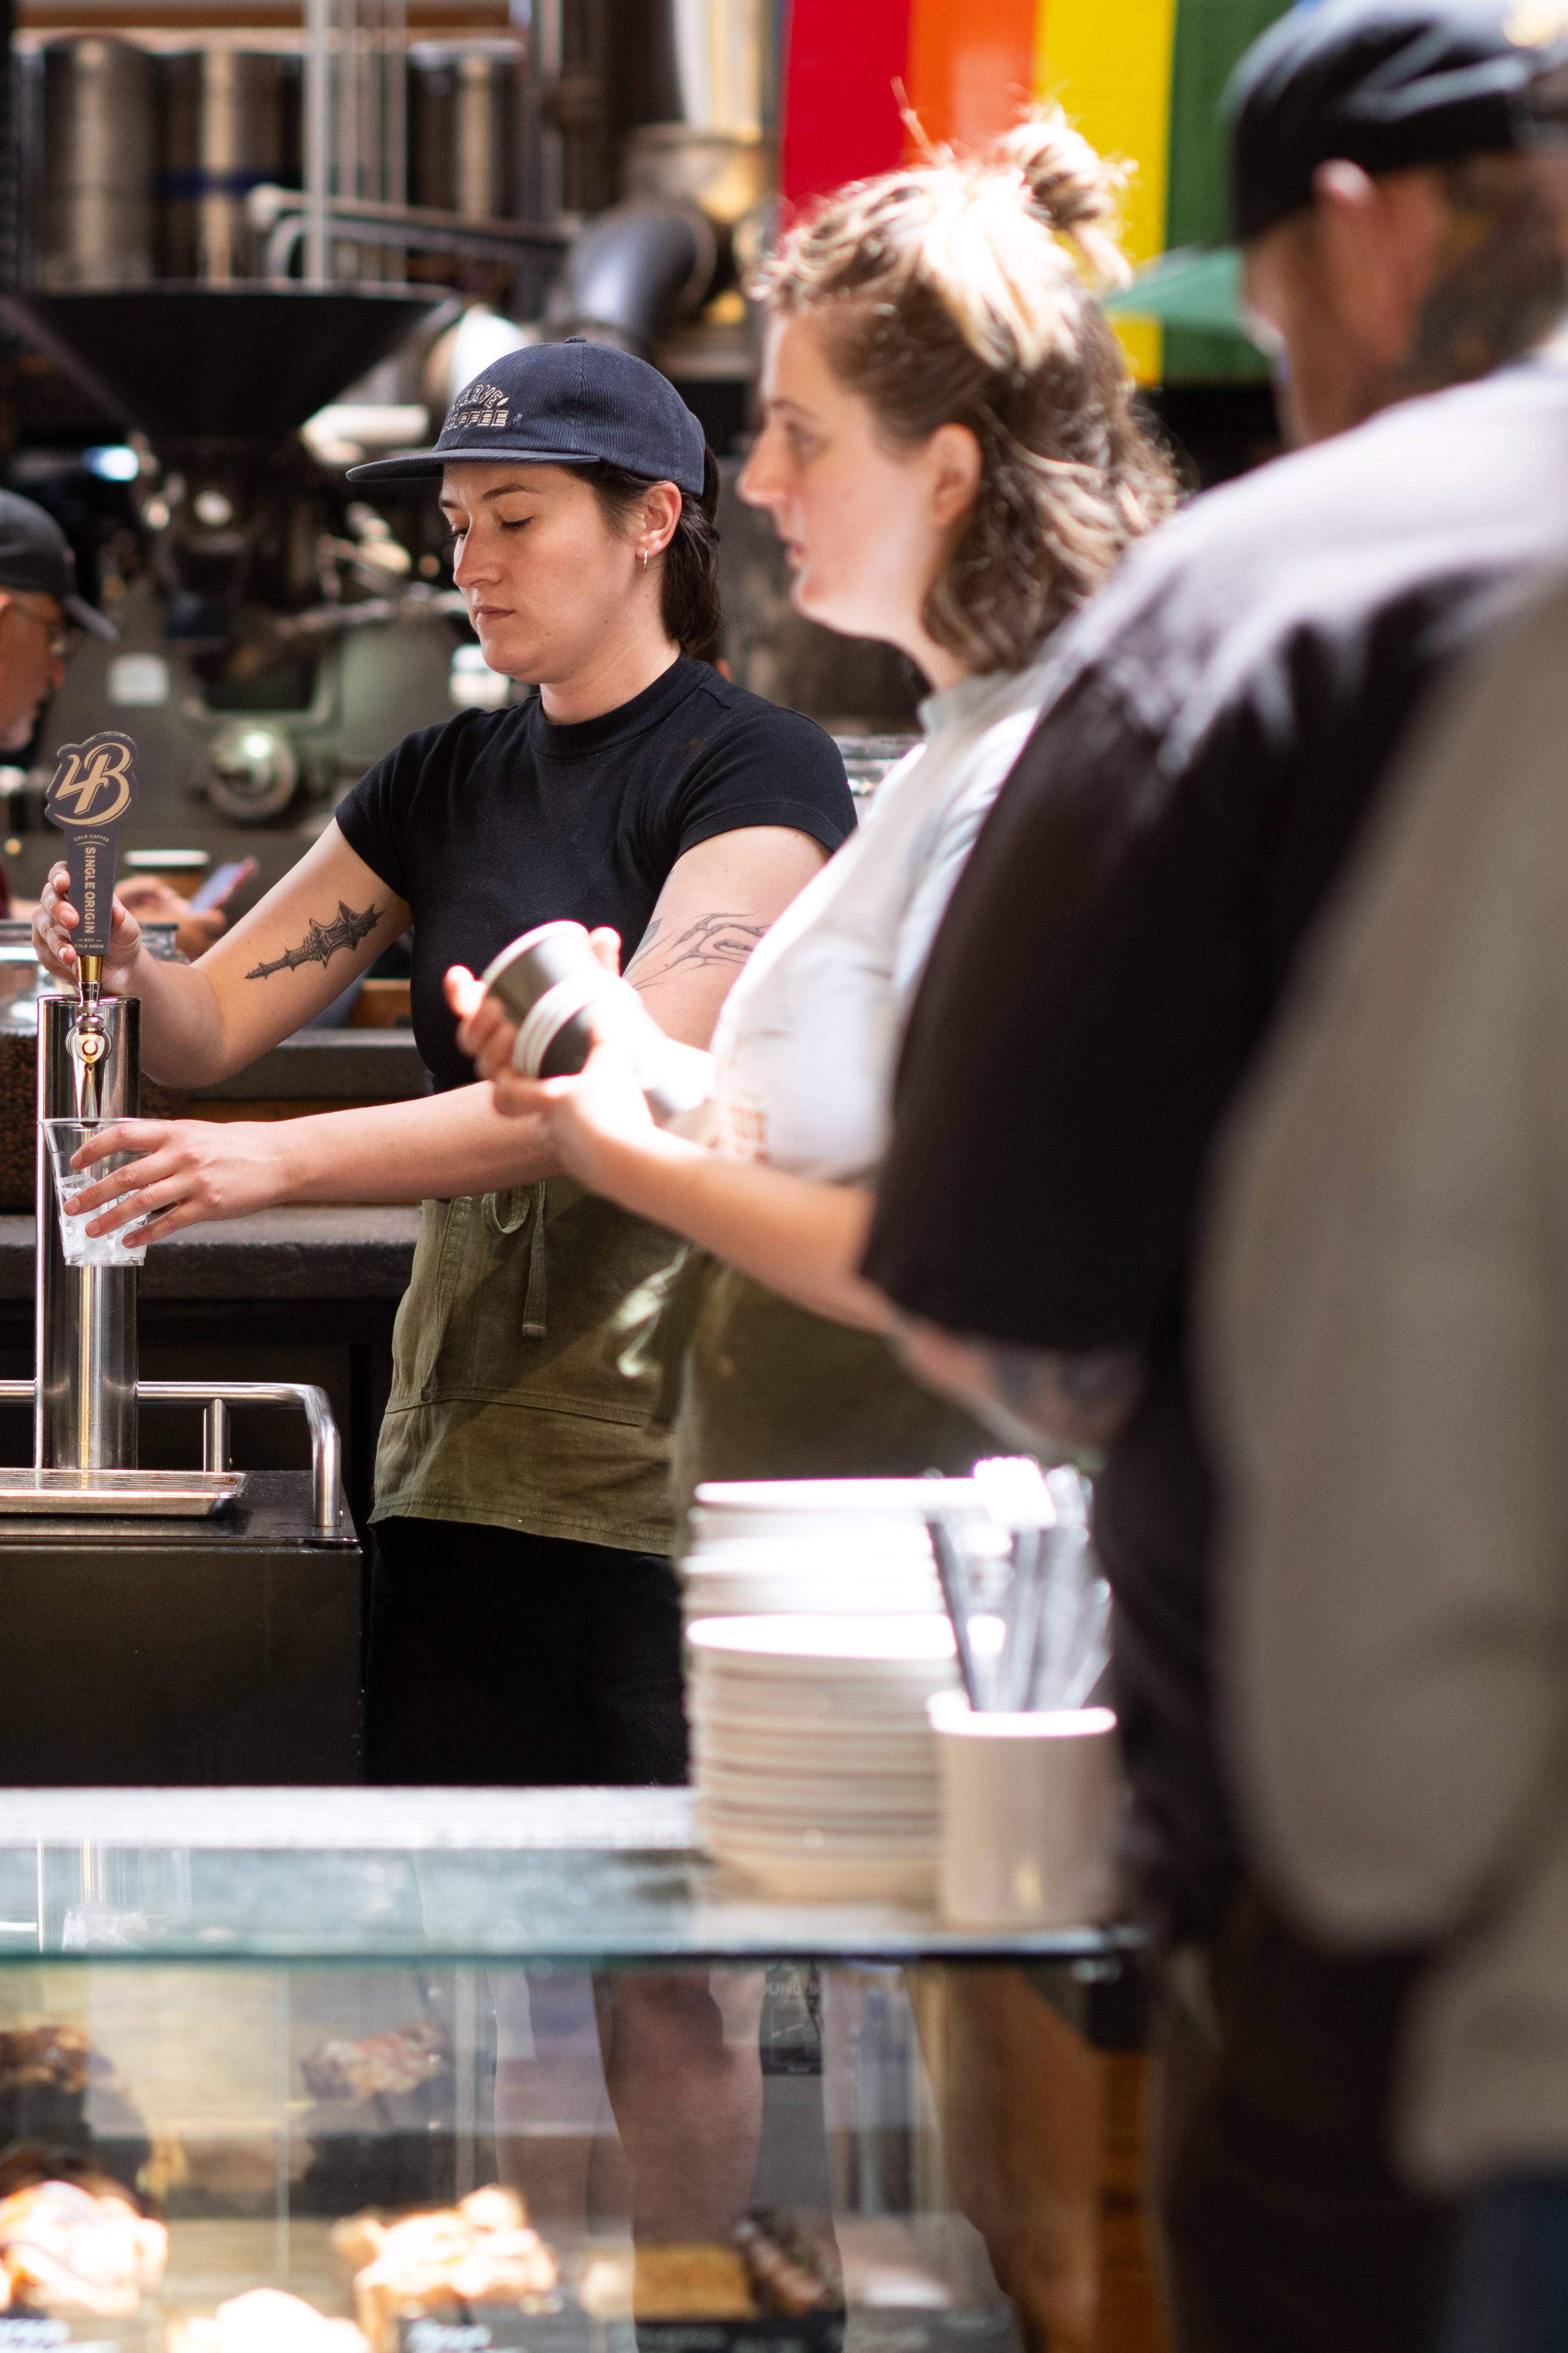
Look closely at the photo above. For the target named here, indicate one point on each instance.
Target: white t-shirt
(808, 1041)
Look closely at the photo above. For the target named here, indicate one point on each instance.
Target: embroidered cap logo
(484, 404)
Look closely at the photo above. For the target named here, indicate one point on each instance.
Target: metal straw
(954, 1582)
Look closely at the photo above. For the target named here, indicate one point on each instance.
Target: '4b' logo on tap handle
(94, 790)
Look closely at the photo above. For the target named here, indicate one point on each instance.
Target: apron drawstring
(534, 1303)
(523, 1202)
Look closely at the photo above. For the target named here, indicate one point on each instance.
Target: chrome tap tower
(84, 1411)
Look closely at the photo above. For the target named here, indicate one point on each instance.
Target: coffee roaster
(275, 634)
(221, 241)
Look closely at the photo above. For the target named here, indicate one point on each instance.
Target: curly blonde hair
(962, 290)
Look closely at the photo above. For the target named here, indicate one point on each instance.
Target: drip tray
(119, 1494)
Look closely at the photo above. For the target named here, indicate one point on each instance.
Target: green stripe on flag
(1211, 34)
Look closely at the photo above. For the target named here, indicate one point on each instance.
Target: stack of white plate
(854, 1547)
(813, 1760)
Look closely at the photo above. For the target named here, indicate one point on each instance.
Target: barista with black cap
(525, 1622)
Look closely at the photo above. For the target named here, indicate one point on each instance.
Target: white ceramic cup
(1030, 1806)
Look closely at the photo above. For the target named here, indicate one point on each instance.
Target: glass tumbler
(65, 1137)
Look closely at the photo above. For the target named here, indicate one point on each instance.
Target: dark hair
(957, 290)
(688, 601)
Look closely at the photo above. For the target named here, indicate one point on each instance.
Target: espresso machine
(177, 1626)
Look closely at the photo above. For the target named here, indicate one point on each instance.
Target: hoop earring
(645, 559)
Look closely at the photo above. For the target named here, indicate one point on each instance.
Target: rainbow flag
(1141, 78)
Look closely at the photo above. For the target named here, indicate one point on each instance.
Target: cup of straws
(1028, 1769)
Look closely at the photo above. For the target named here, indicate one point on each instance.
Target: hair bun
(1074, 190)
(960, 290)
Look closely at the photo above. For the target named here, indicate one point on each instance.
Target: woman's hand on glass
(584, 1117)
(54, 921)
(190, 1172)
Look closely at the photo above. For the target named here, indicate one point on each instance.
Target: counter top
(311, 1250)
(575, 1875)
(328, 1066)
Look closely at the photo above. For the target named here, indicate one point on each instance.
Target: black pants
(514, 1660)
(1287, 2228)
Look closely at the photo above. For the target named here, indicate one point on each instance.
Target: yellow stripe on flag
(1108, 62)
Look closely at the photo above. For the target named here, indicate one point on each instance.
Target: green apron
(510, 1407)
(759, 1388)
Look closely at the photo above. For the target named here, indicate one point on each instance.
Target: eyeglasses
(63, 642)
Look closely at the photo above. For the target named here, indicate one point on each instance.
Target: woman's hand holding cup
(584, 1117)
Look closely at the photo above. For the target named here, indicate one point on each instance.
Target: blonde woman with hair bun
(952, 455)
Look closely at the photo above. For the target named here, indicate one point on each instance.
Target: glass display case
(301, 2072)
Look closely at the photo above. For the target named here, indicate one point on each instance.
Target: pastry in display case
(544, 2100)
(76, 2246)
(455, 2264)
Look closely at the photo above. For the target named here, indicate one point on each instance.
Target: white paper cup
(1030, 1806)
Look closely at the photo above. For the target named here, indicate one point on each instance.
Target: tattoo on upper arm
(323, 941)
(712, 940)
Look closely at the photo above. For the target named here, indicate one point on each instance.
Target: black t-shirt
(1221, 717)
(500, 821)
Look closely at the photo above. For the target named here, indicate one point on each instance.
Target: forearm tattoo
(323, 941)
(712, 940)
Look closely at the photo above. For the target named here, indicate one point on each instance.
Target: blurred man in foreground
(1387, 1344)
(1389, 1333)
(1114, 953)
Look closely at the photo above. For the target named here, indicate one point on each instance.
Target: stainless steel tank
(226, 128)
(95, 215)
(464, 116)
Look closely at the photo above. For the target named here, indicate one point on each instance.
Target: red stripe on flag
(840, 117)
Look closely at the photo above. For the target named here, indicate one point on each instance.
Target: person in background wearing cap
(525, 1624)
(41, 619)
(1220, 720)
(41, 616)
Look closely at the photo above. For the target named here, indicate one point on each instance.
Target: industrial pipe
(633, 270)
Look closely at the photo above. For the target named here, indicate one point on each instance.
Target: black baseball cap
(568, 404)
(1387, 84)
(36, 557)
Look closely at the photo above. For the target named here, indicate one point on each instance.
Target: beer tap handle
(94, 790)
